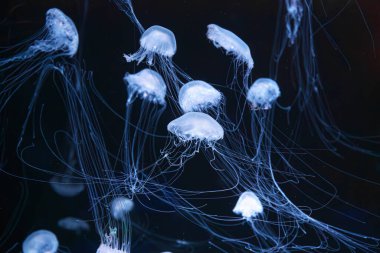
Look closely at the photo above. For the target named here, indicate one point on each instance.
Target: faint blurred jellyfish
(57, 40)
(248, 205)
(233, 45)
(66, 186)
(293, 19)
(120, 207)
(196, 96)
(73, 224)
(40, 241)
(263, 93)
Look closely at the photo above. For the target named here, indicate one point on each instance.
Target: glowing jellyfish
(263, 93)
(233, 45)
(73, 224)
(248, 205)
(66, 186)
(155, 41)
(120, 207)
(198, 96)
(58, 39)
(293, 18)
(40, 241)
(148, 84)
(196, 126)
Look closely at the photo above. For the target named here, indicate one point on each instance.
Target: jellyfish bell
(66, 186)
(156, 40)
(198, 96)
(148, 84)
(40, 241)
(196, 126)
(62, 31)
(120, 207)
(73, 224)
(248, 205)
(263, 93)
(231, 43)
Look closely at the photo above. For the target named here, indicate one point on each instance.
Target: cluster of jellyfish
(242, 156)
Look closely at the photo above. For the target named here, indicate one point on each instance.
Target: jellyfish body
(40, 241)
(65, 186)
(198, 96)
(231, 43)
(293, 19)
(148, 84)
(156, 40)
(120, 207)
(196, 126)
(248, 205)
(61, 36)
(58, 39)
(73, 224)
(263, 93)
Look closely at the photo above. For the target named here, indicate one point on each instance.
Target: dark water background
(352, 88)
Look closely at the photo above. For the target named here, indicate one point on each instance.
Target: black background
(352, 90)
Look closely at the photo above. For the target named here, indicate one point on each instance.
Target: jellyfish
(144, 107)
(66, 185)
(156, 41)
(40, 241)
(73, 224)
(148, 84)
(157, 46)
(121, 206)
(233, 45)
(248, 205)
(196, 126)
(263, 93)
(197, 96)
(293, 19)
(297, 35)
(37, 55)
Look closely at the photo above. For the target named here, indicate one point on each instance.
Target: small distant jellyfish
(223, 38)
(66, 186)
(73, 224)
(156, 40)
(40, 241)
(196, 126)
(198, 96)
(248, 205)
(148, 84)
(293, 19)
(263, 93)
(120, 207)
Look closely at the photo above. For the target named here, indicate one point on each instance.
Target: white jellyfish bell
(248, 205)
(155, 41)
(40, 241)
(148, 84)
(196, 126)
(198, 96)
(231, 43)
(263, 93)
